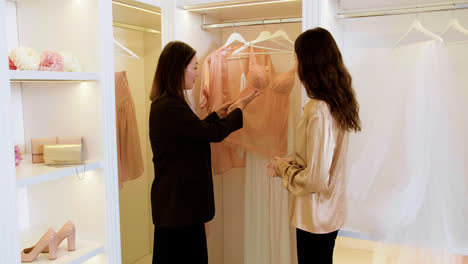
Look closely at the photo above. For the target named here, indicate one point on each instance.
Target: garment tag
(240, 152)
(243, 82)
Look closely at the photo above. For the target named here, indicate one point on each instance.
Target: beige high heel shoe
(49, 240)
(68, 231)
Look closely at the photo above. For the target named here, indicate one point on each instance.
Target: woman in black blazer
(182, 198)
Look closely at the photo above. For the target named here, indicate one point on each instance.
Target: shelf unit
(84, 251)
(35, 104)
(28, 173)
(38, 76)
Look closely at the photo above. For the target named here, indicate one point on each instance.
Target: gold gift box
(66, 154)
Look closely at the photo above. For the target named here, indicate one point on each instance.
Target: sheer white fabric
(266, 232)
(408, 180)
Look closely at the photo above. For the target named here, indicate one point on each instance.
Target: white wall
(69, 28)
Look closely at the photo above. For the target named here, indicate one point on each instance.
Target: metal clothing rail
(252, 23)
(401, 11)
(132, 27)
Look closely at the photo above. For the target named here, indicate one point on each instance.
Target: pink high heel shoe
(49, 240)
(67, 231)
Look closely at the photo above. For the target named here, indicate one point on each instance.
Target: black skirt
(180, 245)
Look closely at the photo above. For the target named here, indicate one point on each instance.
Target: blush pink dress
(129, 153)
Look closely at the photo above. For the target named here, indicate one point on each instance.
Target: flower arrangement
(71, 63)
(26, 59)
(11, 65)
(18, 157)
(51, 61)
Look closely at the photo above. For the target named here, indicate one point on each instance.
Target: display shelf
(28, 173)
(44, 76)
(84, 251)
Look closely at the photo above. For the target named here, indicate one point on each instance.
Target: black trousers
(180, 245)
(315, 248)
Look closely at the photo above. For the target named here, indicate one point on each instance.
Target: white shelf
(44, 76)
(84, 251)
(28, 173)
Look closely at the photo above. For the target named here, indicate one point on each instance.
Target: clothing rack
(251, 23)
(401, 11)
(137, 28)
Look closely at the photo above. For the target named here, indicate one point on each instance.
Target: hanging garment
(407, 182)
(265, 129)
(129, 154)
(316, 179)
(266, 231)
(222, 82)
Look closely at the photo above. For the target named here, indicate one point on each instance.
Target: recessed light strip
(401, 11)
(238, 5)
(137, 8)
(133, 27)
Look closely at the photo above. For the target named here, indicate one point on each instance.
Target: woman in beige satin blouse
(315, 174)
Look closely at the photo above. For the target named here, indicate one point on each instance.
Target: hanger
(453, 24)
(283, 35)
(267, 36)
(132, 54)
(416, 25)
(234, 37)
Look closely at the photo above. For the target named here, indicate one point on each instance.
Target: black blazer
(182, 190)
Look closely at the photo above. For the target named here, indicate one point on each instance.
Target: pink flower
(11, 65)
(18, 157)
(51, 61)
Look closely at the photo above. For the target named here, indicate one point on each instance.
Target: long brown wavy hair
(325, 77)
(169, 78)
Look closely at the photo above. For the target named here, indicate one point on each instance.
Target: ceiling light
(137, 8)
(238, 5)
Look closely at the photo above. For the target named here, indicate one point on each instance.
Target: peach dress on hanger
(130, 158)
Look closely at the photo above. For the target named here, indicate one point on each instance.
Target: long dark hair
(169, 78)
(325, 77)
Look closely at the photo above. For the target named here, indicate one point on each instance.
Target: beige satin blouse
(316, 179)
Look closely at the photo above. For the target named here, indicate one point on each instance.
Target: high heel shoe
(49, 240)
(68, 231)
